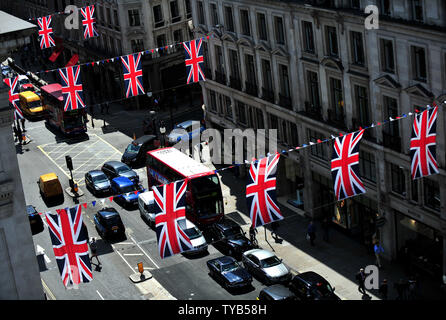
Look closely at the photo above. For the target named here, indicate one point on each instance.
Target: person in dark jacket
(360, 277)
(383, 289)
(311, 231)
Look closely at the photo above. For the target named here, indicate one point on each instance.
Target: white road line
(100, 295)
(123, 243)
(144, 252)
(131, 268)
(132, 254)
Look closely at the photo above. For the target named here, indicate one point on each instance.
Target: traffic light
(69, 162)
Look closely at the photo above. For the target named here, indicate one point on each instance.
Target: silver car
(266, 266)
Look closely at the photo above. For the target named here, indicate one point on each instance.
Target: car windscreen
(322, 289)
(192, 233)
(207, 193)
(99, 178)
(113, 220)
(129, 188)
(270, 262)
(234, 231)
(229, 266)
(34, 104)
(122, 169)
(30, 210)
(132, 148)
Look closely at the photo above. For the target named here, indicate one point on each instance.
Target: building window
(398, 179)
(178, 37)
(134, 18)
(213, 102)
(233, 60)
(246, 28)
(384, 7)
(280, 33)
(391, 110)
(100, 14)
(229, 19)
(284, 80)
(318, 150)
(387, 56)
(273, 121)
(431, 194)
(260, 121)
(308, 39)
(241, 112)
(158, 16)
(188, 8)
(337, 100)
(357, 48)
(362, 101)
(219, 58)
(228, 107)
(116, 19)
(137, 45)
(267, 77)
(355, 4)
(414, 190)
(161, 40)
(201, 19)
(417, 10)
(367, 165)
(294, 134)
(419, 63)
(174, 12)
(109, 20)
(118, 46)
(214, 14)
(332, 41)
(261, 25)
(313, 90)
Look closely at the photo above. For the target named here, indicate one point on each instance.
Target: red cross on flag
(132, 70)
(194, 60)
(89, 22)
(45, 32)
(13, 93)
(72, 88)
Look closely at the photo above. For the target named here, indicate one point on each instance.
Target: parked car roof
(224, 260)
(95, 173)
(260, 253)
(311, 277)
(144, 139)
(147, 197)
(123, 181)
(226, 224)
(108, 212)
(115, 164)
(278, 291)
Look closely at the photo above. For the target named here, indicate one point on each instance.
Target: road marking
(144, 252)
(45, 287)
(131, 268)
(92, 144)
(108, 144)
(63, 171)
(41, 251)
(124, 243)
(132, 254)
(100, 295)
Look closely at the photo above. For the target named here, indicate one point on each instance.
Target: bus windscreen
(208, 198)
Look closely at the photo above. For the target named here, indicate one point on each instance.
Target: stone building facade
(310, 69)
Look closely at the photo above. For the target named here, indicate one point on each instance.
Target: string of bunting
(282, 152)
(117, 58)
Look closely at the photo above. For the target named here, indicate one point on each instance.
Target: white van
(146, 206)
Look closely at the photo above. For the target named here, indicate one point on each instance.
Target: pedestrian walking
(383, 289)
(325, 228)
(311, 232)
(252, 235)
(93, 249)
(19, 134)
(23, 124)
(16, 133)
(274, 226)
(360, 277)
(378, 250)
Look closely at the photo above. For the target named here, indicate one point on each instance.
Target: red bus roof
(54, 89)
(180, 162)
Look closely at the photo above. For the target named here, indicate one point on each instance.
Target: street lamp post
(163, 132)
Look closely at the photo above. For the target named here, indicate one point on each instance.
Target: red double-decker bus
(68, 122)
(204, 200)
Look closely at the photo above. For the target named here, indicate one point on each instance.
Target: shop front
(419, 247)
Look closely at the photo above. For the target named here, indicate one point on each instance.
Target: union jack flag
(13, 94)
(194, 60)
(169, 210)
(423, 144)
(345, 166)
(261, 191)
(45, 32)
(69, 238)
(132, 69)
(89, 22)
(72, 88)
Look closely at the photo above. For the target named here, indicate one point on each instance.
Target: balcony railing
(285, 101)
(313, 111)
(392, 142)
(220, 77)
(159, 24)
(268, 95)
(337, 119)
(235, 83)
(176, 19)
(251, 88)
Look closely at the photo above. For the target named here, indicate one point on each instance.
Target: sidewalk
(338, 260)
